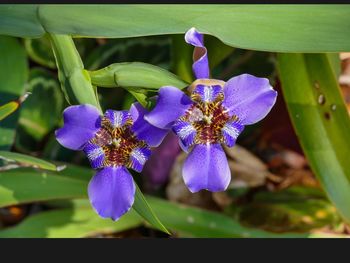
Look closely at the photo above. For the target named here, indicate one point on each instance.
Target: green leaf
(75, 81)
(13, 75)
(135, 75)
(20, 21)
(27, 185)
(7, 109)
(70, 223)
(20, 186)
(39, 50)
(195, 222)
(38, 115)
(281, 28)
(28, 160)
(142, 207)
(321, 121)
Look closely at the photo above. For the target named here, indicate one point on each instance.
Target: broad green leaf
(43, 109)
(26, 185)
(142, 207)
(75, 81)
(39, 50)
(70, 223)
(70, 183)
(19, 20)
(135, 75)
(7, 109)
(28, 160)
(321, 121)
(195, 222)
(13, 75)
(281, 28)
(18, 187)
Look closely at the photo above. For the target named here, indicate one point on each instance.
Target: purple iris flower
(211, 113)
(113, 142)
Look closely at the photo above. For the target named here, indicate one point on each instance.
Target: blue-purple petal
(249, 97)
(80, 124)
(206, 167)
(111, 192)
(95, 154)
(152, 135)
(172, 103)
(185, 131)
(117, 118)
(201, 65)
(138, 158)
(230, 132)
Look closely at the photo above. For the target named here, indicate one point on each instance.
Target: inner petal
(207, 94)
(115, 119)
(95, 154)
(230, 132)
(138, 158)
(186, 132)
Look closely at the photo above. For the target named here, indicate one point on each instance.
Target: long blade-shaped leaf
(13, 74)
(28, 160)
(284, 28)
(7, 109)
(19, 186)
(321, 121)
(72, 223)
(142, 207)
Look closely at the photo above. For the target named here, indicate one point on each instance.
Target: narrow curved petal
(206, 167)
(186, 132)
(172, 103)
(201, 65)
(206, 93)
(230, 132)
(95, 154)
(152, 135)
(117, 118)
(111, 192)
(81, 122)
(248, 97)
(138, 158)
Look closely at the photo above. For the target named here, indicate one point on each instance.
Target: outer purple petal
(201, 65)
(111, 192)
(206, 167)
(143, 129)
(80, 124)
(138, 158)
(230, 132)
(172, 103)
(249, 97)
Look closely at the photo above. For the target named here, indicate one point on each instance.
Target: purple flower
(213, 112)
(113, 142)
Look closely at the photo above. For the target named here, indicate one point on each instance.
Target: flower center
(206, 121)
(117, 142)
